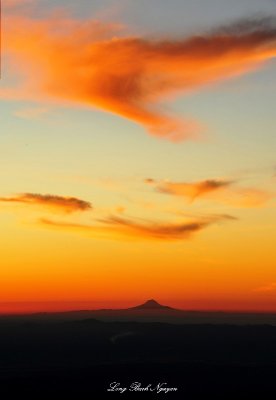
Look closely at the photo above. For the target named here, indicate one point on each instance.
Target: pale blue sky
(37, 153)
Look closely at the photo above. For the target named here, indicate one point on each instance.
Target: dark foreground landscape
(44, 355)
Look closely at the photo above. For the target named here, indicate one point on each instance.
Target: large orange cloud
(87, 62)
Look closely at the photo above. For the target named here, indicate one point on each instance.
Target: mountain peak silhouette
(150, 305)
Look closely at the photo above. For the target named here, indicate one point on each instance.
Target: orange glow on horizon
(93, 213)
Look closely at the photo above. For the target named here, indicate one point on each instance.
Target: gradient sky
(138, 154)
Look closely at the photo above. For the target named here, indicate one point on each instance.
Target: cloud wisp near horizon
(118, 228)
(270, 287)
(91, 63)
(61, 204)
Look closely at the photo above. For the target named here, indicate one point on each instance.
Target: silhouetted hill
(152, 311)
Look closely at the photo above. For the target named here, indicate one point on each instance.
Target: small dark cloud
(149, 181)
(60, 203)
(226, 217)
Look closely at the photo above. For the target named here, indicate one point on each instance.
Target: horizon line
(22, 312)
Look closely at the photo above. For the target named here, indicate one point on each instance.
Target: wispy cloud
(129, 229)
(96, 64)
(58, 203)
(192, 190)
(218, 190)
(247, 197)
(271, 287)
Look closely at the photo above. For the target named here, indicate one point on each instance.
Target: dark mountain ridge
(151, 311)
(151, 305)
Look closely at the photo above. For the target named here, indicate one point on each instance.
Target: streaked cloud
(271, 287)
(193, 190)
(58, 203)
(217, 190)
(100, 65)
(129, 229)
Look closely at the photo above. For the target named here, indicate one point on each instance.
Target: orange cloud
(121, 228)
(59, 203)
(192, 190)
(223, 191)
(94, 64)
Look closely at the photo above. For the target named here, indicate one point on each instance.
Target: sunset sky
(138, 154)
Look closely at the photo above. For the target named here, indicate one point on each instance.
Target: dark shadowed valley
(68, 352)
